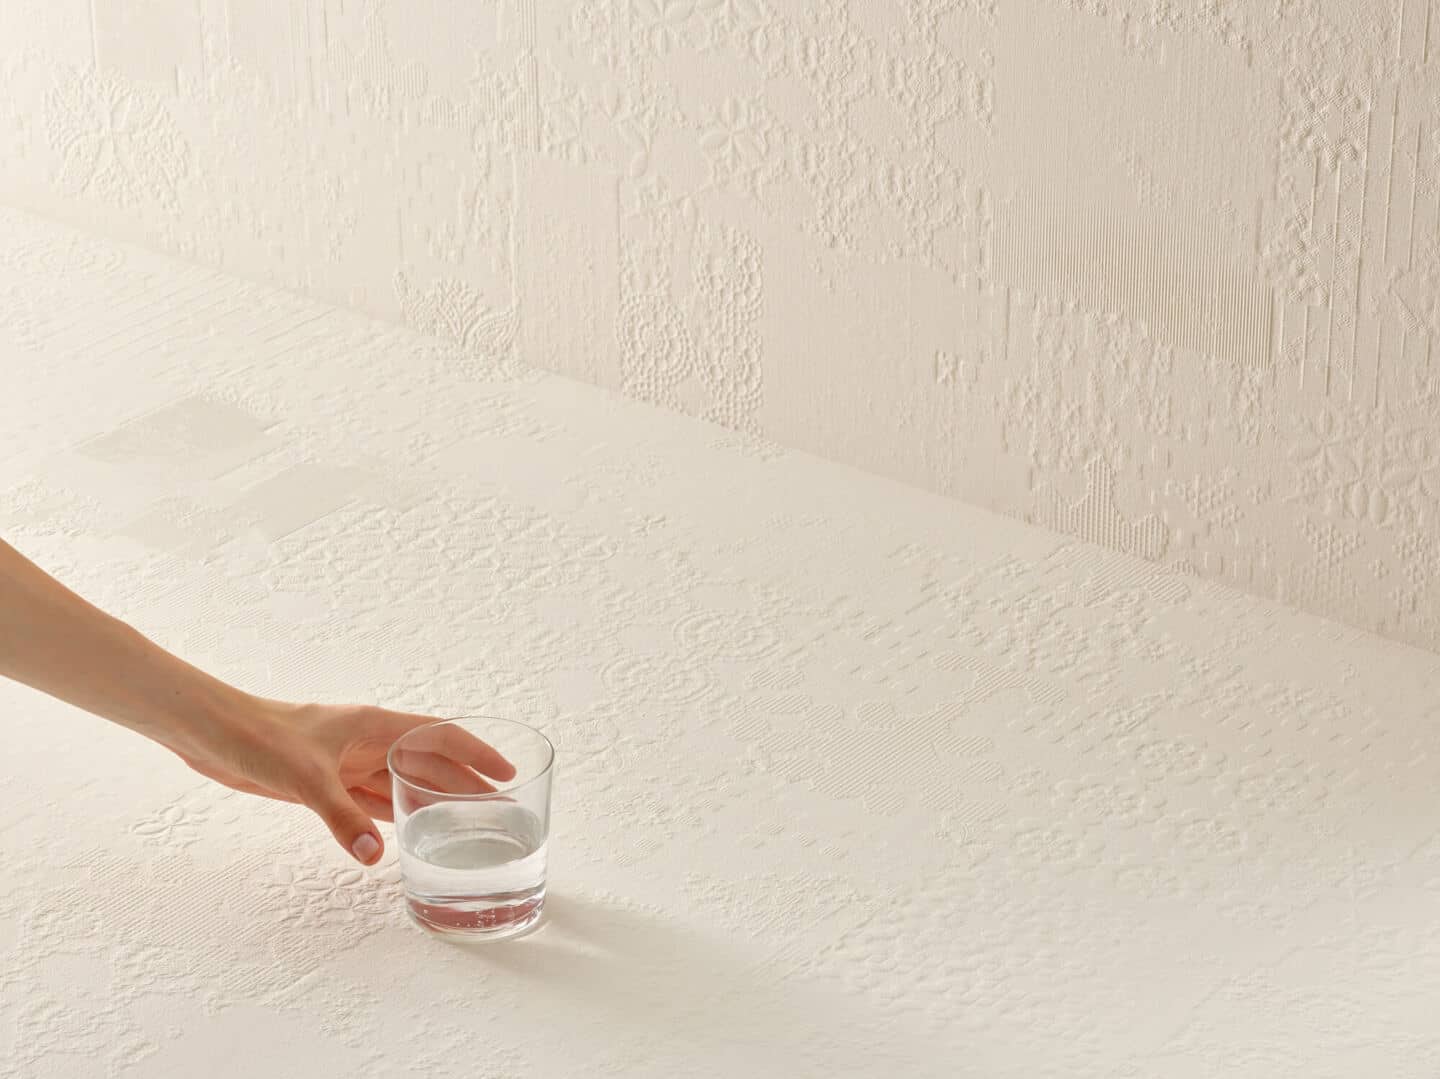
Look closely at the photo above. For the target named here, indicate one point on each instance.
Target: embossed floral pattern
(852, 781)
(1203, 349)
(114, 140)
(175, 824)
(322, 895)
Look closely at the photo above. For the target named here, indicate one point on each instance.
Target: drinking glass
(472, 848)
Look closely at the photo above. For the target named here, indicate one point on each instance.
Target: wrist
(178, 705)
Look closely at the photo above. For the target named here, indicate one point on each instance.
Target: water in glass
(474, 866)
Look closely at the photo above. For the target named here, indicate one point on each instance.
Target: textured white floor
(853, 781)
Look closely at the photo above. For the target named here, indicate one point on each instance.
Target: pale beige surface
(1161, 275)
(854, 780)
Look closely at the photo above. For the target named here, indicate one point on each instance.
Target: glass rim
(472, 796)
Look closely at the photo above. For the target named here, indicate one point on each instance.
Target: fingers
(348, 822)
(432, 771)
(378, 781)
(443, 774)
(453, 742)
(461, 745)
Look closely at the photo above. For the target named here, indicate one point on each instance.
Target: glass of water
(472, 847)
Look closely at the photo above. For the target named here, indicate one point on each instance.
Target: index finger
(458, 744)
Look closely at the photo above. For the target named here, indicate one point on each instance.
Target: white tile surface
(854, 780)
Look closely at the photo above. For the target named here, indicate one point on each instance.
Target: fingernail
(366, 848)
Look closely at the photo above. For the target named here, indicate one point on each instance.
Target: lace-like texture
(1162, 276)
(853, 780)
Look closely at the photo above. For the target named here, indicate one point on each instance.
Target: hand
(332, 759)
(328, 757)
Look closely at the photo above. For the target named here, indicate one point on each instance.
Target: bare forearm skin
(331, 758)
(57, 642)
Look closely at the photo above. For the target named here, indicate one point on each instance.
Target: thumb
(348, 823)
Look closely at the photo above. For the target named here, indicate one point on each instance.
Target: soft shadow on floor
(720, 994)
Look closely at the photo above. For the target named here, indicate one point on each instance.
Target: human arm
(330, 758)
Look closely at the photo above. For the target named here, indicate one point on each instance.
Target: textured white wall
(1164, 274)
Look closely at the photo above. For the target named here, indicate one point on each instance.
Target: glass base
(483, 918)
